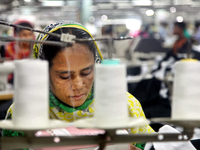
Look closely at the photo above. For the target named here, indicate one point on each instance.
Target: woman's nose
(77, 83)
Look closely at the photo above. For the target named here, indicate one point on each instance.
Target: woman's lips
(78, 97)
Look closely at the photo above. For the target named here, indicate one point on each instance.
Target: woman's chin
(77, 103)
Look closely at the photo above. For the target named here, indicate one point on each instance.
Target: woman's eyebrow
(88, 68)
(64, 72)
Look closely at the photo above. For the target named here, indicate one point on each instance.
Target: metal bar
(8, 39)
(37, 142)
(189, 47)
(110, 49)
(28, 28)
(102, 39)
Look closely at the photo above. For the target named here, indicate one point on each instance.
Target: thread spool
(111, 107)
(31, 93)
(185, 99)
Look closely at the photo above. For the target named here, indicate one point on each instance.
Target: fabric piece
(187, 145)
(148, 93)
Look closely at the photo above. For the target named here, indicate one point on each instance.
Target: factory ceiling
(114, 9)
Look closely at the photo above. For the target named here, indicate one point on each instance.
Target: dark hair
(181, 25)
(25, 24)
(49, 51)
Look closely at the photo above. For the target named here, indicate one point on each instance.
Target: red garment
(179, 44)
(12, 53)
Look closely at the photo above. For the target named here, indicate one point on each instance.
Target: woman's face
(25, 34)
(72, 74)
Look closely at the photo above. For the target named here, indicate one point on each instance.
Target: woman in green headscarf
(71, 72)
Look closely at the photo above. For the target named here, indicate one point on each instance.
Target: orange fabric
(178, 44)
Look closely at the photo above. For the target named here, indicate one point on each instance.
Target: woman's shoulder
(135, 108)
(10, 112)
(131, 99)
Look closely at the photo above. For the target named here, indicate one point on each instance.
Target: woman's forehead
(76, 50)
(77, 55)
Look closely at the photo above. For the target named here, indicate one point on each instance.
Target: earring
(84, 85)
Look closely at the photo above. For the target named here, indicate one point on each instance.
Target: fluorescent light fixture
(119, 1)
(182, 2)
(124, 5)
(27, 1)
(53, 3)
(105, 6)
(159, 3)
(142, 3)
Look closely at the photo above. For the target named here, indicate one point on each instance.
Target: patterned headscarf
(38, 48)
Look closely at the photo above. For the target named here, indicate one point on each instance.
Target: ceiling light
(91, 19)
(179, 19)
(124, 5)
(172, 9)
(104, 17)
(142, 3)
(150, 12)
(53, 3)
(133, 24)
(15, 3)
(106, 6)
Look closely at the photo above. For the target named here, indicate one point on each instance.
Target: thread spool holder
(108, 137)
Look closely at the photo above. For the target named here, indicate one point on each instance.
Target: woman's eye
(64, 77)
(86, 72)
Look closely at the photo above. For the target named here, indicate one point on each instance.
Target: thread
(186, 91)
(111, 108)
(31, 104)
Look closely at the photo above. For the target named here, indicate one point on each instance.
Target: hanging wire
(55, 35)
